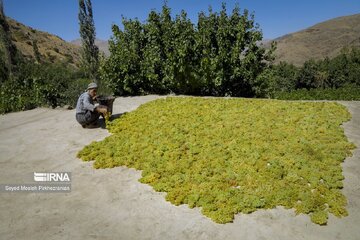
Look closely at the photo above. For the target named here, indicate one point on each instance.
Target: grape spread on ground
(232, 156)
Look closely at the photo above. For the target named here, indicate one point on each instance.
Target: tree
(286, 77)
(123, 67)
(307, 75)
(152, 54)
(185, 81)
(167, 47)
(206, 47)
(90, 52)
(220, 56)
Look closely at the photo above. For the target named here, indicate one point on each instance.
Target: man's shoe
(93, 125)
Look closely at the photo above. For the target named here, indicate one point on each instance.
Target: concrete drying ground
(112, 204)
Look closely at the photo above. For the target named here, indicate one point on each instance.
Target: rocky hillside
(51, 48)
(325, 39)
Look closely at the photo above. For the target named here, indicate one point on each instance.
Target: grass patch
(234, 155)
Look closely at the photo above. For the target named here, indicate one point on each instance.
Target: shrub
(346, 93)
(41, 85)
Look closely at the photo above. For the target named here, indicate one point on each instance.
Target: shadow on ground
(102, 123)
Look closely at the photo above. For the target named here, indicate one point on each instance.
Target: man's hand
(101, 109)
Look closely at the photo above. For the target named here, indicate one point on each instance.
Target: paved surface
(112, 204)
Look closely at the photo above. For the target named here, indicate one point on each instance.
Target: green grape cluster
(230, 155)
(107, 118)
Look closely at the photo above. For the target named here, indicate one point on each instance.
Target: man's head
(92, 89)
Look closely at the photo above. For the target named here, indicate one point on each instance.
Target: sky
(276, 17)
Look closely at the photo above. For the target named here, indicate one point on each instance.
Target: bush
(41, 85)
(75, 89)
(327, 79)
(15, 97)
(347, 93)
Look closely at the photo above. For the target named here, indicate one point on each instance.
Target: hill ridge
(52, 48)
(325, 39)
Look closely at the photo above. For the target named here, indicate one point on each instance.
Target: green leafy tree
(285, 76)
(264, 84)
(167, 47)
(254, 58)
(185, 81)
(221, 56)
(345, 68)
(123, 67)
(151, 64)
(90, 52)
(335, 79)
(354, 66)
(206, 48)
(307, 75)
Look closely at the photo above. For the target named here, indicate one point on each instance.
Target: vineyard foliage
(234, 155)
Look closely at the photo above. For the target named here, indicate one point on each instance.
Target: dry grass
(52, 48)
(325, 39)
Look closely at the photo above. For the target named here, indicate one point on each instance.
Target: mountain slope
(102, 45)
(51, 48)
(325, 39)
